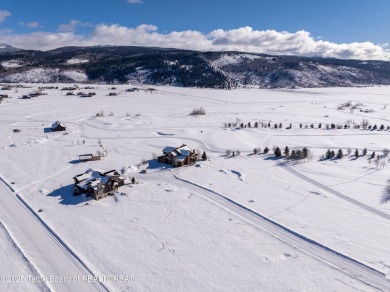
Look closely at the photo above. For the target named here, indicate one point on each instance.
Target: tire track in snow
(340, 261)
(42, 246)
(336, 193)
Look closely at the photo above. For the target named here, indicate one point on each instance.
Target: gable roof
(57, 124)
(183, 150)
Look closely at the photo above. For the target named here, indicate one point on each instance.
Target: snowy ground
(169, 237)
(16, 271)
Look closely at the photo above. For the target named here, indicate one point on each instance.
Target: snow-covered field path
(316, 249)
(336, 193)
(58, 266)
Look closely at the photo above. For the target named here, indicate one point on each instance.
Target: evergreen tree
(277, 152)
(256, 125)
(332, 154)
(328, 154)
(356, 153)
(133, 180)
(319, 126)
(364, 151)
(286, 151)
(339, 154)
(293, 154)
(382, 127)
(304, 153)
(204, 156)
(266, 150)
(372, 155)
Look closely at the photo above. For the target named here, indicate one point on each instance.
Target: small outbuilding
(88, 157)
(57, 126)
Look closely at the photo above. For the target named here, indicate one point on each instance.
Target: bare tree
(364, 123)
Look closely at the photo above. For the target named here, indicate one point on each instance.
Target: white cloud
(72, 25)
(4, 14)
(135, 1)
(243, 39)
(33, 24)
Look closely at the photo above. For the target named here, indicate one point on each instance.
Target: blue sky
(338, 22)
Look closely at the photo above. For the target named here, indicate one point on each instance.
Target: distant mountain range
(157, 66)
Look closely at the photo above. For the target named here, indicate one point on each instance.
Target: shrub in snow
(198, 111)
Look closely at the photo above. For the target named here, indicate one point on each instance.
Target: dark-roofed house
(178, 156)
(57, 126)
(97, 183)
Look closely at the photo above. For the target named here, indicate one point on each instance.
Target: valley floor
(166, 235)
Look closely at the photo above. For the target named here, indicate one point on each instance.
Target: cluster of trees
(294, 154)
(232, 153)
(198, 112)
(377, 159)
(239, 124)
(347, 125)
(350, 105)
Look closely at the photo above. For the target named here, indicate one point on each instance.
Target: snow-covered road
(316, 249)
(56, 263)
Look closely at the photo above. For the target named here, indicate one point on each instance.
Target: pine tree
(133, 180)
(204, 156)
(332, 154)
(328, 155)
(373, 155)
(256, 125)
(356, 154)
(339, 154)
(293, 154)
(266, 150)
(277, 152)
(364, 151)
(286, 151)
(304, 153)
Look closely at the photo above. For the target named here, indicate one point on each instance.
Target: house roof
(93, 176)
(57, 124)
(183, 150)
(168, 149)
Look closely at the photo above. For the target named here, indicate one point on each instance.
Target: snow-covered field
(169, 236)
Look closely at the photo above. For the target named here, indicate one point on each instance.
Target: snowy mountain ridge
(157, 66)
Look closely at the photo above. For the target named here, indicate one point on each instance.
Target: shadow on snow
(66, 197)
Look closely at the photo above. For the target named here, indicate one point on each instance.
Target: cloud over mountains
(241, 39)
